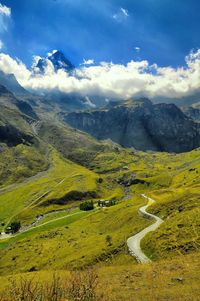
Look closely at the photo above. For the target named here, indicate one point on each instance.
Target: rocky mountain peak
(59, 61)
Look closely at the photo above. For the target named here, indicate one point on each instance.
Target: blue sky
(104, 30)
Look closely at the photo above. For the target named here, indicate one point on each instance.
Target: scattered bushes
(80, 286)
(100, 180)
(83, 286)
(109, 240)
(86, 206)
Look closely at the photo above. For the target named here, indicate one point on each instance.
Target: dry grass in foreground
(171, 280)
(78, 287)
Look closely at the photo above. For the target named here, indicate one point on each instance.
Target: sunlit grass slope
(77, 239)
(73, 242)
(20, 162)
(62, 177)
(179, 206)
(174, 279)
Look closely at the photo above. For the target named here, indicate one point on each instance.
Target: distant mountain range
(134, 123)
(75, 101)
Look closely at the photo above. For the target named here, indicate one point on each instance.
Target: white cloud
(137, 49)
(14, 66)
(4, 10)
(5, 13)
(112, 80)
(88, 62)
(121, 15)
(1, 44)
(36, 59)
(124, 12)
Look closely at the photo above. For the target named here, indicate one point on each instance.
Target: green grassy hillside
(49, 180)
(62, 184)
(124, 175)
(21, 162)
(176, 279)
(72, 242)
(178, 204)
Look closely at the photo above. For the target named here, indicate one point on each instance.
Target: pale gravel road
(134, 241)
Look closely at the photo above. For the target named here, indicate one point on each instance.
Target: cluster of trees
(87, 205)
(13, 227)
(106, 203)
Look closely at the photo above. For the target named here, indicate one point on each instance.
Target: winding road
(134, 241)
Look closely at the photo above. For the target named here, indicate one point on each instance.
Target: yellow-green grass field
(72, 242)
(20, 162)
(76, 239)
(25, 201)
(174, 279)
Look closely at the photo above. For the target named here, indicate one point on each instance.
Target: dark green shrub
(109, 240)
(13, 227)
(86, 206)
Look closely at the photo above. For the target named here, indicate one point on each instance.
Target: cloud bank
(111, 80)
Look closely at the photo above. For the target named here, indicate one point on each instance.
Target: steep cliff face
(192, 112)
(142, 125)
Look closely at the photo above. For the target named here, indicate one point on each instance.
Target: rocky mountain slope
(142, 125)
(192, 112)
(9, 81)
(15, 119)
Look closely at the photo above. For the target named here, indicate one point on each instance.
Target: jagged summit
(58, 59)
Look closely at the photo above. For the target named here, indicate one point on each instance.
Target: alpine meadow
(99, 150)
